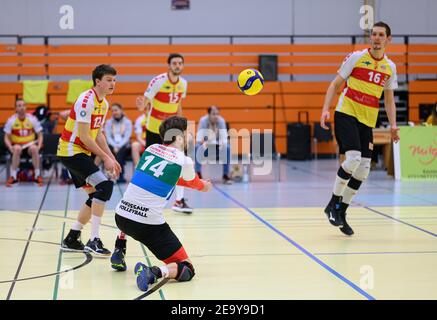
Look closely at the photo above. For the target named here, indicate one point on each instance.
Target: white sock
(348, 195)
(339, 186)
(14, 174)
(37, 173)
(77, 226)
(164, 271)
(179, 193)
(95, 226)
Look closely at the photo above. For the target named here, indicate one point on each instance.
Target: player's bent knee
(185, 271)
(352, 161)
(89, 201)
(104, 190)
(363, 169)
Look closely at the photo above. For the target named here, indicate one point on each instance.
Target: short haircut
(174, 55)
(115, 104)
(210, 108)
(19, 99)
(383, 25)
(101, 70)
(172, 127)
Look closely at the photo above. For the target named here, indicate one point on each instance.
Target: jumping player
(139, 213)
(368, 73)
(82, 136)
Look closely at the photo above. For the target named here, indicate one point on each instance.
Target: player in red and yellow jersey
(163, 99)
(21, 131)
(367, 73)
(82, 136)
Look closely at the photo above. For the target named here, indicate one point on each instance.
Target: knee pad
(363, 169)
(185, 271)
(89, 201)
(352, 161)
(104, 190)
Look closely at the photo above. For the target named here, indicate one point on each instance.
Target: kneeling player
(139, 213)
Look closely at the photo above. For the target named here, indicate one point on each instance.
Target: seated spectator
(118, 131)
(23, 132)
(212, 137)
(139, 145)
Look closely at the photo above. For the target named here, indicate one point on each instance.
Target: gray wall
(213, 17)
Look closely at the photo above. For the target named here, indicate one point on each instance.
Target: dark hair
(19, 99)
(174, 55)
(172, 127)
(383, 25)
(101, 70)
(210, 108)
(118, 105)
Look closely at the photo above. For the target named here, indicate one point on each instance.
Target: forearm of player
(40, 140)
(390, 107)
(330, 93)
(196, 183)
(89, 142)
(8, 142)
(328, 98)
(103, 144)
(179, 112)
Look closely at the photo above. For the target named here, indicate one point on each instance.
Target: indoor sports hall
(261, 233)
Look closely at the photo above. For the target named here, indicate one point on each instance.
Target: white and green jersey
(153, 182)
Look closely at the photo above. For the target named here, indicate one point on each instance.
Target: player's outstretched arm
(329, 97)
(197, 184)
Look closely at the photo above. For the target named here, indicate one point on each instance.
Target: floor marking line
(400, 221)
(55, 289)
(17, 273)
(299, 247)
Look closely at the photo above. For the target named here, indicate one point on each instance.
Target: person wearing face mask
(118, 131)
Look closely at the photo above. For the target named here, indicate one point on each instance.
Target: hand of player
(118, 168)
(325, 116)
(141, 102)
(111, 165)
(207, 185)
(395, 134)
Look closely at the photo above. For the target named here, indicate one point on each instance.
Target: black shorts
(159, 239)
(152, 138)
(353, 135)
(80, 167)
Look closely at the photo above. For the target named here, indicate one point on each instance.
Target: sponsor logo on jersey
(133, 208)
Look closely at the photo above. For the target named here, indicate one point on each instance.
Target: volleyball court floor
(262, 240)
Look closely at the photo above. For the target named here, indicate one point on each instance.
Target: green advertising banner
(418, 152)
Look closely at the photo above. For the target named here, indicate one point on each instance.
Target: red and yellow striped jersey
(140, 126)
(165, 97)
(367, 77)
(22, 131)
(88, 109)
